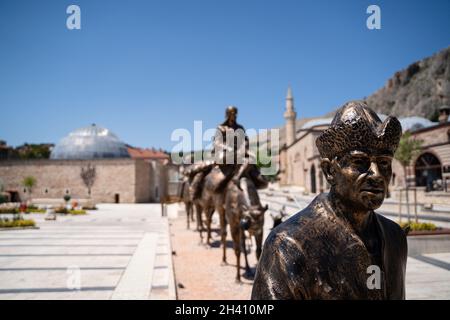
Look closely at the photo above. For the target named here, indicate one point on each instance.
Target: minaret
(290, 115)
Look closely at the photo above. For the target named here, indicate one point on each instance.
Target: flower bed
(15, 210)
(424, 229)
(20, 223)
(64, 210)
(89, 208)
(77, 212)
(419, 226)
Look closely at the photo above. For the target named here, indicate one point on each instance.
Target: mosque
(429, 172)
(119, 173)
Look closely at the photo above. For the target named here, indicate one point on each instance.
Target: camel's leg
(188, 212)
(235, 234)
(198, 210)
(238, 265)
(248, 272)
(209, 214)
(223, 229)
(191, 206)
(258, 240)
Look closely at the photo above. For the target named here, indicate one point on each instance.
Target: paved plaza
(124, 252)
(116, 252)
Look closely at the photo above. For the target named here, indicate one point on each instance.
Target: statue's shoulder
(390, 228)
(221, 128)
(224, 127)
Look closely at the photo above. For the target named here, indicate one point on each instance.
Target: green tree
(407, 150)
(29, 182)
(34, 151)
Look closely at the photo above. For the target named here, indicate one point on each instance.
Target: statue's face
(362, 180)
(232, 116)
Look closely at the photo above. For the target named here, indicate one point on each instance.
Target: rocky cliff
(418, 90)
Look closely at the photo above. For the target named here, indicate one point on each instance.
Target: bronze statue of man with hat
(338, 247)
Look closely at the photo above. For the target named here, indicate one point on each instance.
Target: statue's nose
(374, 171)
(374, 175)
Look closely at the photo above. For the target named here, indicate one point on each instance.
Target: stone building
(429, 172)
(430, 169)
(122, 173)
(164, 174)
(116, 180)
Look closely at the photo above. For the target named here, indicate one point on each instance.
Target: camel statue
(244, 212)
(188, 205)
(211, 200)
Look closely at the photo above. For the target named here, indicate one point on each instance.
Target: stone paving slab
(135, 283)
(425, 281)
(110, 246)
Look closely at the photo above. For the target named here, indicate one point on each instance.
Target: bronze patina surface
(328, 250)
(229, 140)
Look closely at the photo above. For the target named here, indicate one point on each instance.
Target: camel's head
(253, 219)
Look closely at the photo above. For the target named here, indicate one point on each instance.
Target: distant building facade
(123, 174)
(116, 180)
(430, 170)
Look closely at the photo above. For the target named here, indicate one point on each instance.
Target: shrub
(420, 226)
(3, 198)
(16, 223)
(77, 212)
(61, 210)
(35, 210)
(9, 210)
(64, 210)
(29, 183)
(89, 208)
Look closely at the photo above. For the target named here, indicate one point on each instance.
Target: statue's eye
(383, 163)
(360, 162)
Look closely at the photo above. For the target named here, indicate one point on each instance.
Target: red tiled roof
(138, 153)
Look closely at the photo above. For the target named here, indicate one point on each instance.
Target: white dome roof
(92, 142)
(415, 123)
(317, 122)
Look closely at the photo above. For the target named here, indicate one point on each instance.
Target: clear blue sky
(144, 68)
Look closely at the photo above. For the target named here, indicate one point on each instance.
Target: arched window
(428, 170)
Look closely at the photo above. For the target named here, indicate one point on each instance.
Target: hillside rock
(418, 90)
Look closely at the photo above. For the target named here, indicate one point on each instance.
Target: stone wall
(143, 180)
(129, 179)
(299, 161)
(437, 141)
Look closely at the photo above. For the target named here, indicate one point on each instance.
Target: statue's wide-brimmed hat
(356, 127)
